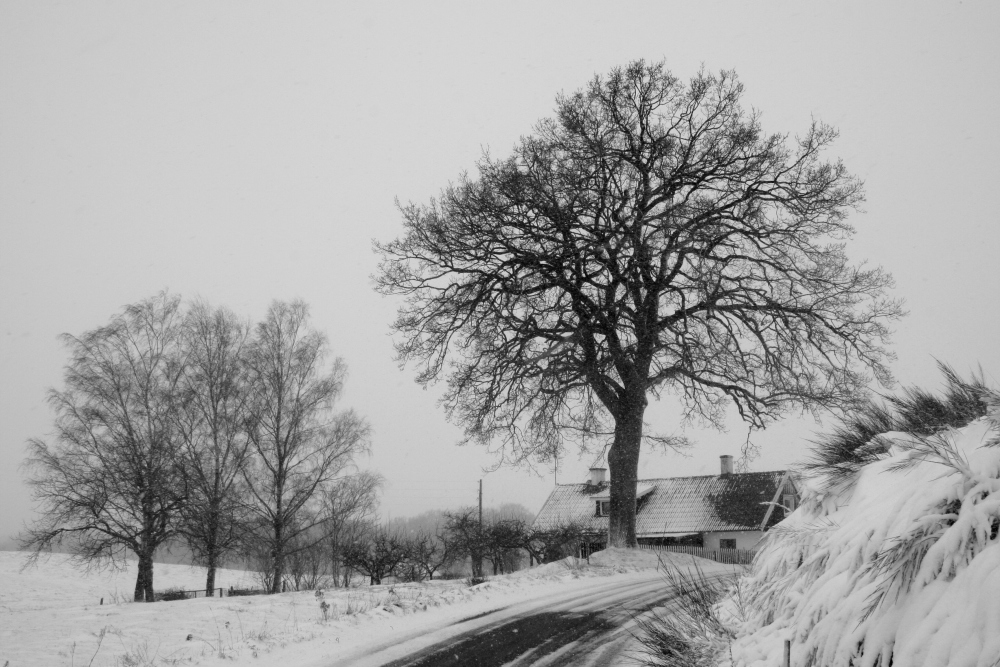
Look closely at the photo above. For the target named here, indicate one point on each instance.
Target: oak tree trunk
(623, 464)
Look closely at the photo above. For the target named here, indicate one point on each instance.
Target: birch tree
(298, 443)
(213, 419)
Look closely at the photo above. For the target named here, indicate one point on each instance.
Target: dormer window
(789, 503)
(603, 508)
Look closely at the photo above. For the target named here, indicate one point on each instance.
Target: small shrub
(359, 603)
(691, 633)
(237, 592)
(170, 595)
(474, 581)
(139, 655)
(324, 606)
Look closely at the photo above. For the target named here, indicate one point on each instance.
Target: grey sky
(246, 152)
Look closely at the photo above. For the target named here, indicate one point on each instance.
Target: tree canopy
(194, 425)
(648, 237)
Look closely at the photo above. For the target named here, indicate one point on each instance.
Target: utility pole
(477, 563)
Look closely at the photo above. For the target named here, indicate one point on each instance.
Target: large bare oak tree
(649, 237)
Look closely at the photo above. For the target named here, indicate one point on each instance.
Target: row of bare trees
(191, 424)
(379, 551)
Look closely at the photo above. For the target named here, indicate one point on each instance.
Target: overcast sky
(245, 152)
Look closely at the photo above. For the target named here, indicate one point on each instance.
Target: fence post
(788, 653)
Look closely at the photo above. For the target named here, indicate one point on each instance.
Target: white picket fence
(733, 556)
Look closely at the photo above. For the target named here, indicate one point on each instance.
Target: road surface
(585, 627)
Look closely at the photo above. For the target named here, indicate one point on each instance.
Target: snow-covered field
(900, 566)
(50, 615)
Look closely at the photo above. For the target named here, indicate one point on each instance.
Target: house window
(603, 507)
(727, 543)
(789, 503)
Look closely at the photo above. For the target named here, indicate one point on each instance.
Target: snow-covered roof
(676, 505)
(642, 489)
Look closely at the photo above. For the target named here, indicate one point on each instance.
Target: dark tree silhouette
(649, 237)
(112, 481)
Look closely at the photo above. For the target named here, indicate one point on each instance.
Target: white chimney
(727, 464)
(597, 475)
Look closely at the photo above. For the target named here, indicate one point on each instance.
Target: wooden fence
(732, 556)
(171, 594)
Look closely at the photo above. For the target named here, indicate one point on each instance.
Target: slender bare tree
(298, 443)
(212, 421)
(111, 480)
(648, 238)
(347, 502)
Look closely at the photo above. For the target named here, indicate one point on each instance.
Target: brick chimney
(727, 464)
(597, 475)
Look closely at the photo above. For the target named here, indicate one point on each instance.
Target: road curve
(584, 627)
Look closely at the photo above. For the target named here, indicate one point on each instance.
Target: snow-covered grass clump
(897, 563)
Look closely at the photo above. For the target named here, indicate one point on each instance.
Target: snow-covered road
(586, 626)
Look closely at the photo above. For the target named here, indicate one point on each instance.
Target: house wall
(745, 539)
(694, 540)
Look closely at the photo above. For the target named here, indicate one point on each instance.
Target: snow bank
(633, 560)
(620, 561)
(902, 563)
(627, 560)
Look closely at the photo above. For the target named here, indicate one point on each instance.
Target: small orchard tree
(298, 445)
(649, 237)
(467, 537)
(111, 482)
(555, 542)
(377, 553)
(428, 553)
(504, 538)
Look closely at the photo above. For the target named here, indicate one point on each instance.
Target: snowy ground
(50, 616)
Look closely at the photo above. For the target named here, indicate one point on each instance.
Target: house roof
(677, 505)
